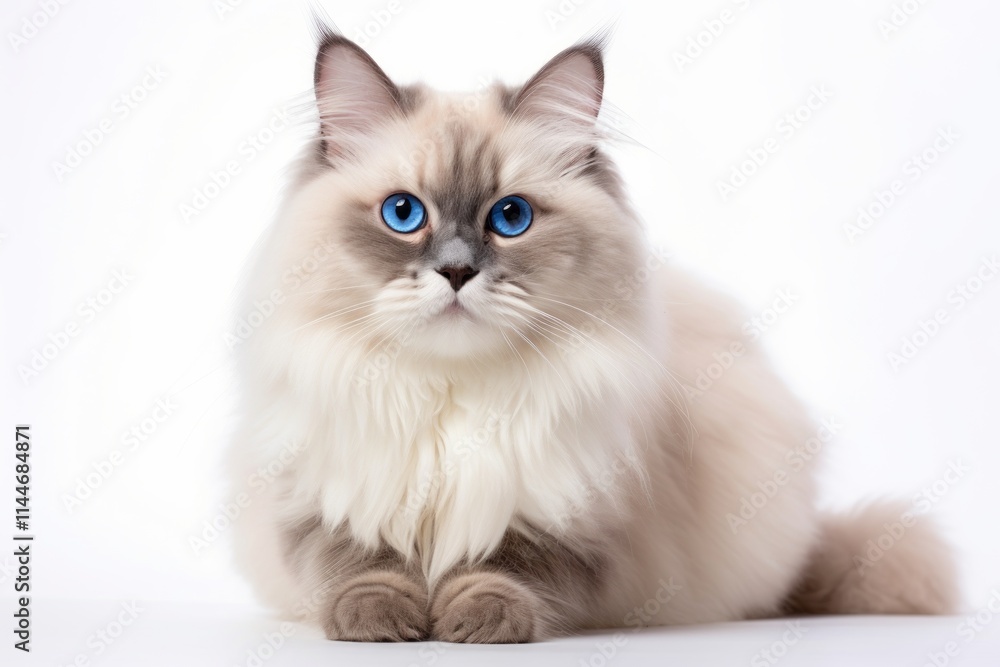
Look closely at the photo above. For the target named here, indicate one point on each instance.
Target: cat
(476, 389)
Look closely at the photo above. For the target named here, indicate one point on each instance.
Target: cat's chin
(456, 334)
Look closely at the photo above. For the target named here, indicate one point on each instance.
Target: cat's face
(464, 225)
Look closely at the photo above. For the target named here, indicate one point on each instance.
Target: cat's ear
(353, 95)
(568, 89)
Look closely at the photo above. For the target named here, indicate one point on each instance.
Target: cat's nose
(458, 275)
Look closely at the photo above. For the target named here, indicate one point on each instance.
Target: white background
(225, 74)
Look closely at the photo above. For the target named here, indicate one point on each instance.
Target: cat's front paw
(379, 607)
(484, 608)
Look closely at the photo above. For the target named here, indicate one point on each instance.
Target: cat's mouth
(455, 309)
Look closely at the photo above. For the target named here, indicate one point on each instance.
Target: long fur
(549, 461)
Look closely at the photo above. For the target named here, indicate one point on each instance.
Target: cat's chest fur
(441, 463)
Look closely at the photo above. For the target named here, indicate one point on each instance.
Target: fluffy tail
(880, 559)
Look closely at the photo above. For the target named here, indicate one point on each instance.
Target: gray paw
(484, 608)
(379, 607)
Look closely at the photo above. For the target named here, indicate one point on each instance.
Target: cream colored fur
(566, 404)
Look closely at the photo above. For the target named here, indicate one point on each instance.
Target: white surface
(172, 635)
(162, 336)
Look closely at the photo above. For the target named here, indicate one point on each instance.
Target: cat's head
(462, 225)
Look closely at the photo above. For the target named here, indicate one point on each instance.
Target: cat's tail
(882, 558)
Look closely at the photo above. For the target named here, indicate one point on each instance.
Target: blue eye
(511, 216)
(403, 213)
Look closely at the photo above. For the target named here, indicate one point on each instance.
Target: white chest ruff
(441, 468)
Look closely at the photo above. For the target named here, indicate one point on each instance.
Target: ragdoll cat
(478, 387)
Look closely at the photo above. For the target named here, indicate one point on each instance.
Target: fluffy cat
(477, 393)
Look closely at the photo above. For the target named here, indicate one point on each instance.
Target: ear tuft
(353, 95)
(569, 88)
